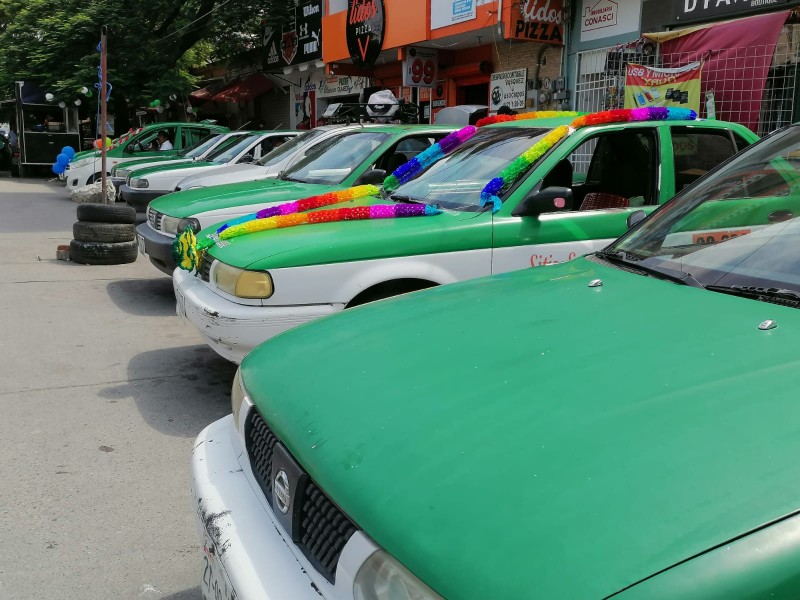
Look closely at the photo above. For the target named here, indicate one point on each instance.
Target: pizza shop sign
(364, 29)
(540, 21)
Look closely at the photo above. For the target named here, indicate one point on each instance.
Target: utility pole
(103, 108)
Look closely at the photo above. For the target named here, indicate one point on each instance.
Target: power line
(201, 17)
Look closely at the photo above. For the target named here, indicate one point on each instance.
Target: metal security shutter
(272, 108)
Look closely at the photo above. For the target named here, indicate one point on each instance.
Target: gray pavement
(102, 390)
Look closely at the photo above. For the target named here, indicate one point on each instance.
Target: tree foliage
(152, 45)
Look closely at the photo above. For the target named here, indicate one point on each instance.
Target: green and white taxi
(623, 425)
(264, 283)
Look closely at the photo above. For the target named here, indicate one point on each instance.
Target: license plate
(216, 585)
(180, 304)
(140, 238)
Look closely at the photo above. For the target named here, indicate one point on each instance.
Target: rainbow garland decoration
(506, 178)
(540, 114)
(291, 214)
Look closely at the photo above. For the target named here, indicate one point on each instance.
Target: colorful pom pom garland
(539, 114)
(490, 193)
(426, 158)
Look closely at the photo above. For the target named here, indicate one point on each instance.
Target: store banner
(650, 86)
(299, 41)
(344, 85)
(687, 11)
(449, 12)
(600, 19)
(508, 88)
(420, 67)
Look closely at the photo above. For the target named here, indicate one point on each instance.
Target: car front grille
(204, 266)
(323, 528)
(154, 218)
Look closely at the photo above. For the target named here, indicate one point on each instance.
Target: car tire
(90, 231)
(107, 213)
(102, 253)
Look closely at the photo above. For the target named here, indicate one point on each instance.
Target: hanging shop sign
(420, 66)
(686, 11)
(607, 18)
(648, 86)
(508, 89)
(299, 41)
(341, 86)
(449, 12)
(540, 21)
(364, 29)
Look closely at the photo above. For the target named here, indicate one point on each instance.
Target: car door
(610, 171)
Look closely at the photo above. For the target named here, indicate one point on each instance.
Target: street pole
(103, 110)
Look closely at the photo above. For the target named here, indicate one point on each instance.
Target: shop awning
(244, 89)
(205, 94)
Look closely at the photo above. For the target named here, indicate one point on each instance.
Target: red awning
(204, 94)
(244, 89)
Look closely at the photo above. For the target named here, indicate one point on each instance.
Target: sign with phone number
(715, 237)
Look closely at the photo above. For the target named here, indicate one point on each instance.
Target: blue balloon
(69, 151)
(58, 169)
(62, 159)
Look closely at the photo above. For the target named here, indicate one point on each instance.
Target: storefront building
(729, 60)
(438, 53)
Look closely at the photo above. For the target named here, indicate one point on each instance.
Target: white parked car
(146, 184)
(200, 151)
(269, 165)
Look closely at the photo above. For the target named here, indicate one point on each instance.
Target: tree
(152, 45)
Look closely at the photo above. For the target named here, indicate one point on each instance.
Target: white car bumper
(246, 555)
(232, 329)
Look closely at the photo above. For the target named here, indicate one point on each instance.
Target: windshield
(202, 146)
(331, 161)
(456, 180)
(285, 150)
(738, 227)
(226, 152)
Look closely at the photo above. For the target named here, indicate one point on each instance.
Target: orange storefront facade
(439, 53)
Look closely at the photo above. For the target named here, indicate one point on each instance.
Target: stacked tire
(105, 234)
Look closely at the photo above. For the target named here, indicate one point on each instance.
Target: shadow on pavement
(192, 594)
(144, 297)
(178, 391)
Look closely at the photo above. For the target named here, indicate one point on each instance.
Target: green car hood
(525, 435)
(175, 166)
(356, 240)
(188, 203)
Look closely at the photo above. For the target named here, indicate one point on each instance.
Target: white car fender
(339, 283)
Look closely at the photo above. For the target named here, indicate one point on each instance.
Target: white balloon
(78, 102)
(160, 109)
(62, 104)
(49, 97)
(189, 109)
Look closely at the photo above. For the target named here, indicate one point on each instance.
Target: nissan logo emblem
(280, 488)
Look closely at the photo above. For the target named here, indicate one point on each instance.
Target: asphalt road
(102, 390)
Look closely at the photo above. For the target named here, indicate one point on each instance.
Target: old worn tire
(101, 253)
(107, 213)
(88, 231)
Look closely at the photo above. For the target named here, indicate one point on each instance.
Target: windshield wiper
(790, 297)
(288, 178)
(673, 275)
(406, 199)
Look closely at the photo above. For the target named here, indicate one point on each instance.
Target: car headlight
(237, 397)
(170, 224)
(137, 182)
(381, 577)
(242, 283)
(120, 173)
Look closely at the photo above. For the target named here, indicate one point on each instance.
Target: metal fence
(600, 79)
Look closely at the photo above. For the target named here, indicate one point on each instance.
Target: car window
(612, 169)
(272, 142)
(406, 149)
(281, 153)
(697, 151)
(244, 143)
(202, 146)
(741, 143)
(226, 145)
(191, 136)
(456, 180)
(736, 227)
(146, 141)
(333, 160)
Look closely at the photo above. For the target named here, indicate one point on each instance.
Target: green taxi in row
(622, 425)
(603, 172)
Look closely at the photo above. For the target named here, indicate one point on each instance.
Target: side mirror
(635, 218)
(551, 199)
(247, 159)
(373, 176)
